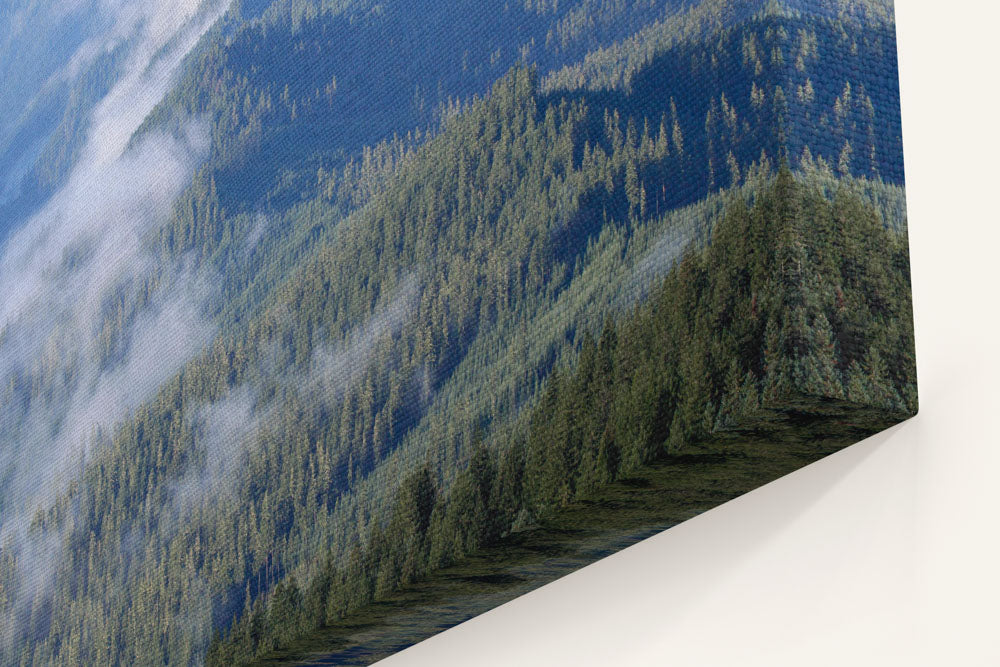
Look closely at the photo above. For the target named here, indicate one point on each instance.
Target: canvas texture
(326, 325)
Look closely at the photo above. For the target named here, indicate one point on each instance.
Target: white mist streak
(334, 369)
(226, 430)
(86, 250)
(659, 259)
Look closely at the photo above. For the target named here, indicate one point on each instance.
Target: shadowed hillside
(410, 279)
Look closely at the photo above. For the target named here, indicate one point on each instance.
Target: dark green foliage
(451, 302)
(749, 322)
(479, 233)
(747, 325)
(301, 85)
(813, 69)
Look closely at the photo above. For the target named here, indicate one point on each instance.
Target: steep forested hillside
(780, 57)
(430, 237)
(841, 333)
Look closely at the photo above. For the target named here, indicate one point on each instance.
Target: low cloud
(94, 319)
(226, 430)
(261, 224)
(223, 433)
(656, 262)
(150, 25)
(335, 368)
(60, 274)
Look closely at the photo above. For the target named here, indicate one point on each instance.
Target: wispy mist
(225, 431)
(92, 319)
(657, 261)
(335, 368)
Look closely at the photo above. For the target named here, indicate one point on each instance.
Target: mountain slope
(840, 339)
(391, 277)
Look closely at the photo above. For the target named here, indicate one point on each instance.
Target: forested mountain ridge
(726, 128)
(371, 287)
(760, 332)
(314, 83)
(307, 86)
(783, 62)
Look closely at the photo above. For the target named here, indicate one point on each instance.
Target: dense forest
(460, 272)
(748, 327)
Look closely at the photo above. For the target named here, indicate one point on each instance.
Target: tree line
(799, 297)
(489, 250)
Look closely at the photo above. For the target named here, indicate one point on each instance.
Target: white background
(887, 553)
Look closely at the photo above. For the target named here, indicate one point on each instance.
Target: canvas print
(326, 325)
